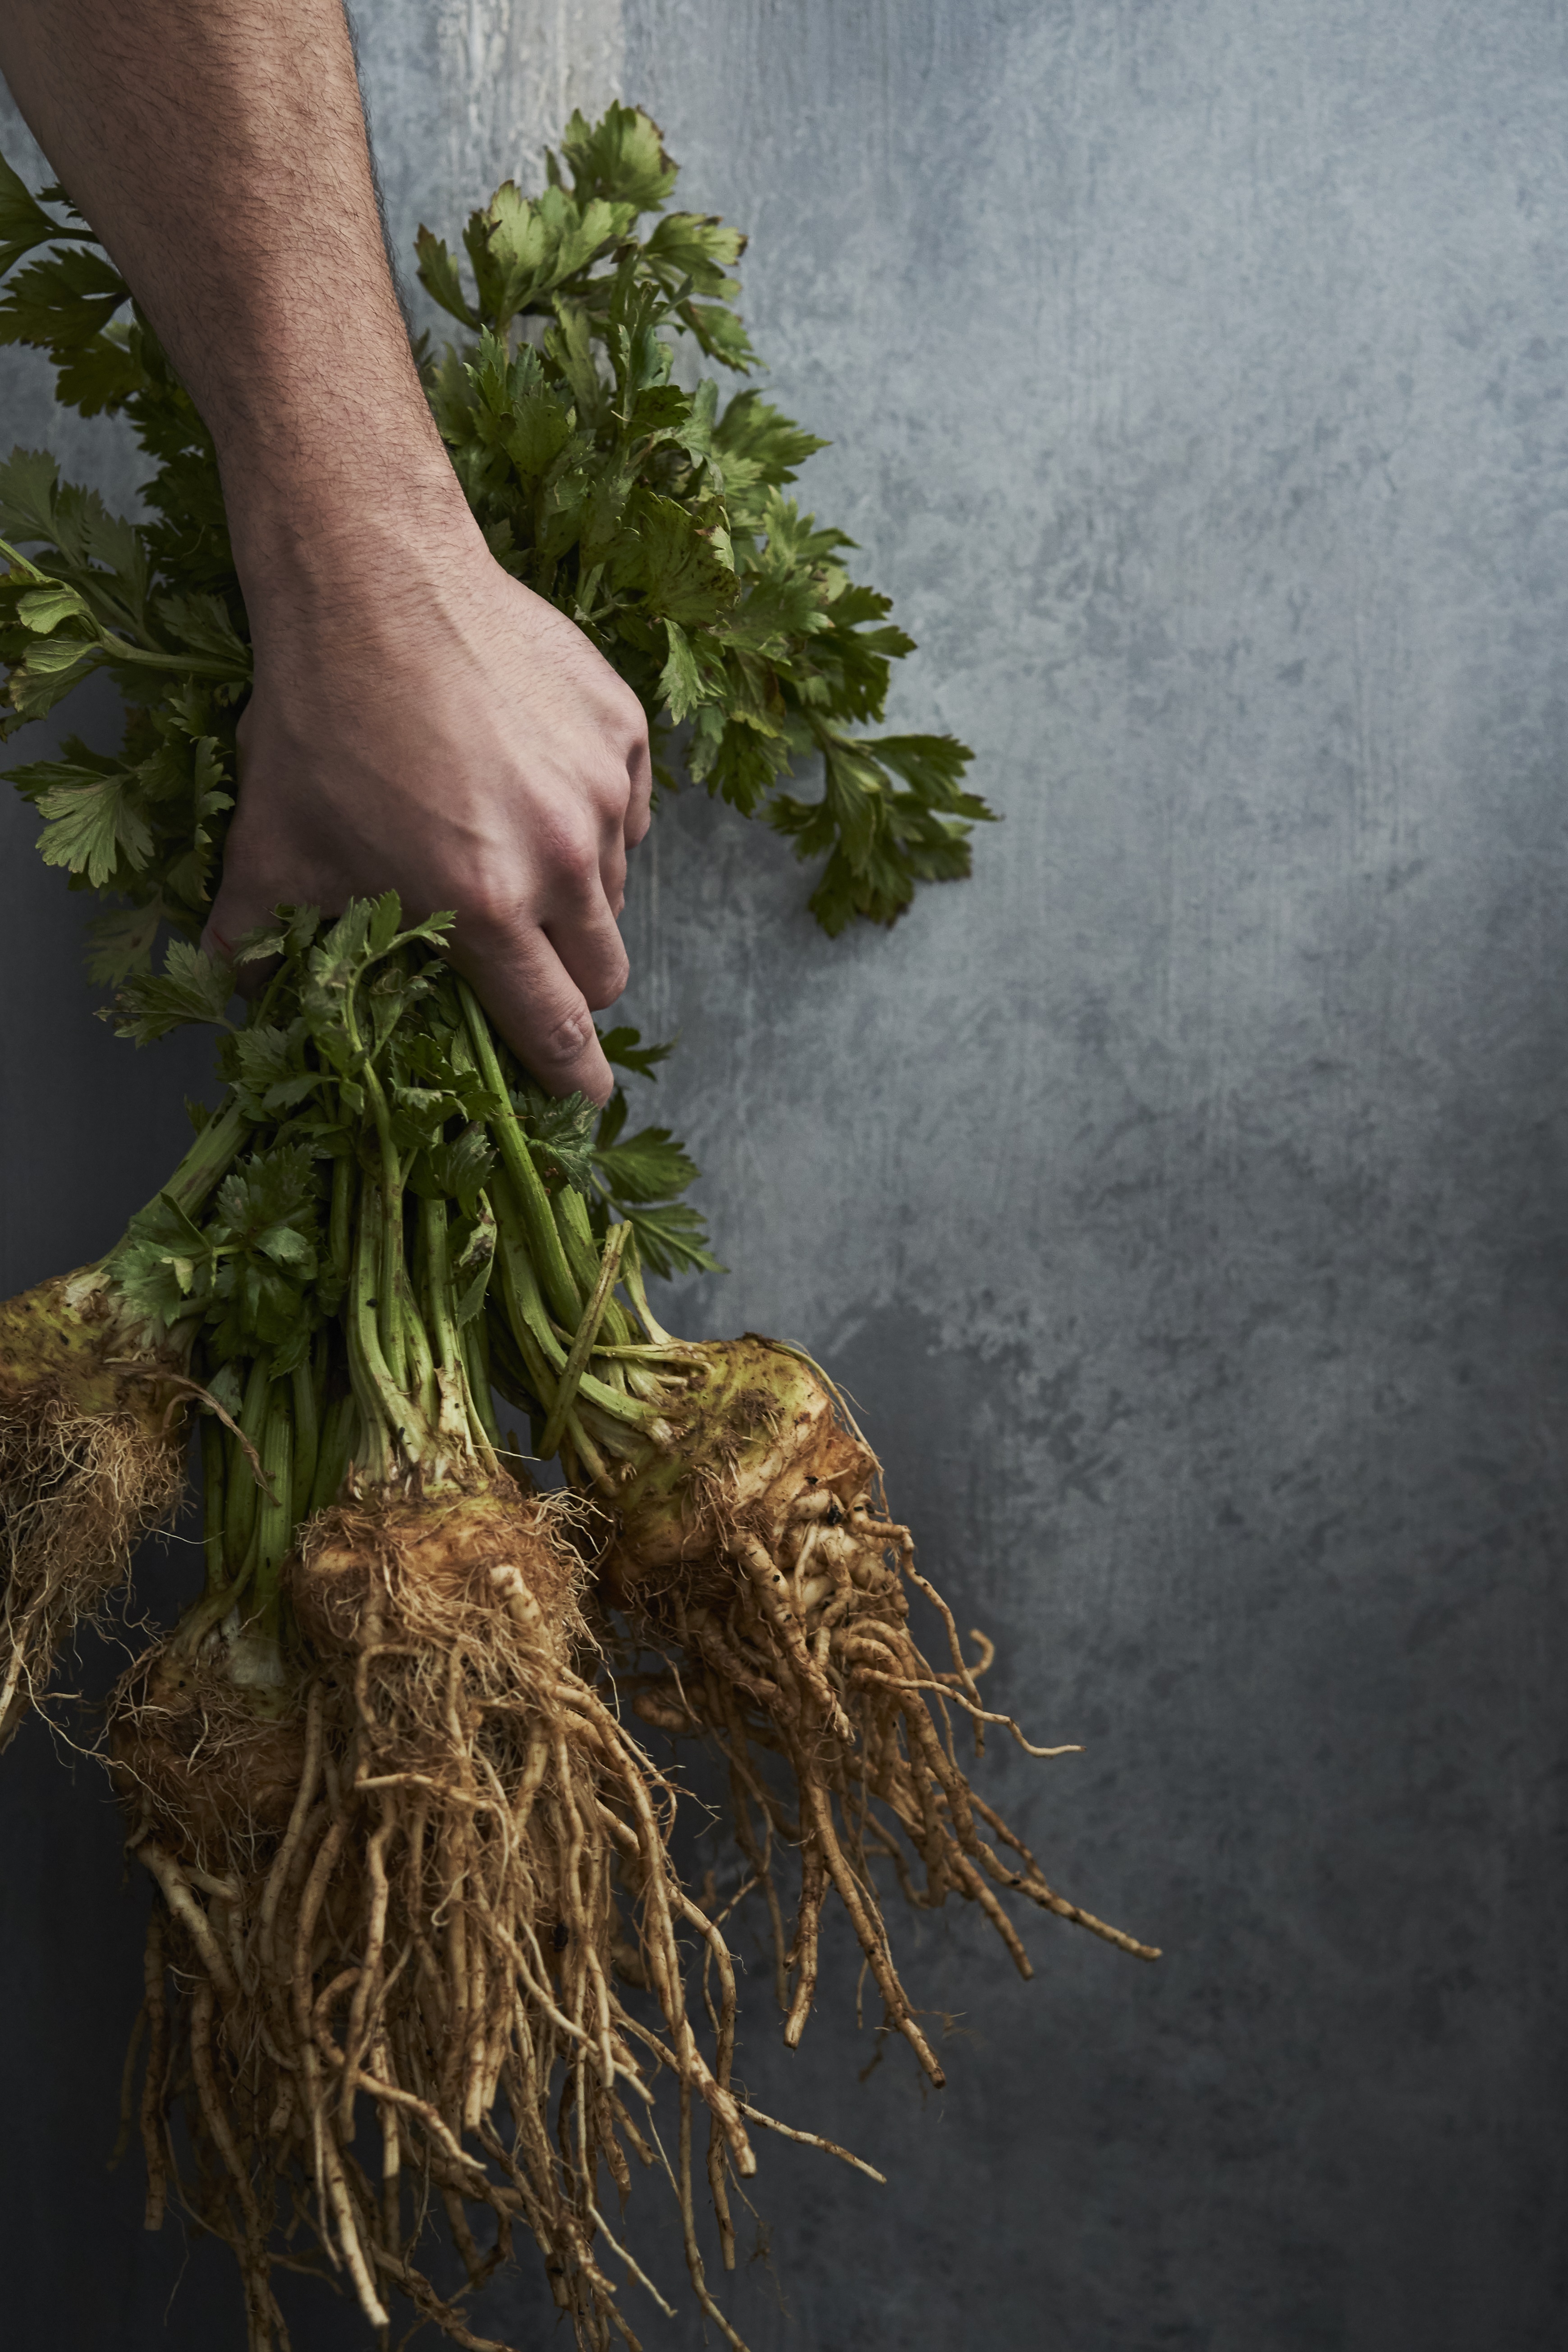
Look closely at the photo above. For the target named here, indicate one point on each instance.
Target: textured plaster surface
(1183, 1199)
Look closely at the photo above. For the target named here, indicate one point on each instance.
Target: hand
(432, 727)
(419, 722)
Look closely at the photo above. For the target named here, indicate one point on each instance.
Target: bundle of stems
(408, 1860)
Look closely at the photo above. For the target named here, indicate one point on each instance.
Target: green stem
(390, 1300)
(242, 1494)
(307, 1434)
(582, 1250)
(583, 1345)
(340, 1229)
(394, 1294)
(531, 1327)
(459, 1398)
(340, 1431)
(439, 1306)
(532, 1199)
(587, 1455)
(232, 1504)
(274, 1532)
(383, 1409)
(525, 1303)
(477, 1362)
(214, 1474)
(204, 1165)
(632, 1276)
(418, 1323)
(518, 1339)
(115, 649)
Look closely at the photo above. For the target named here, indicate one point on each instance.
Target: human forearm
(418, 721)
(218, 149)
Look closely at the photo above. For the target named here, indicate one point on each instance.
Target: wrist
(333, 553)
(334, 473)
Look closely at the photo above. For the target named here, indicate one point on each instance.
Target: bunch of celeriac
(411, 1868)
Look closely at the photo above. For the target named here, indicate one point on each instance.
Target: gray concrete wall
(1183, 1198)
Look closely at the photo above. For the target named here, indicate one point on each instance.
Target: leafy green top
(656, 518)
(359, 1043)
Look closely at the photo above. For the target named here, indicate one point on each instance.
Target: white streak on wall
(511, 73)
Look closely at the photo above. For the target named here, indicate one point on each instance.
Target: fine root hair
(780, 1596)
(440, 1986)
(78, 1491)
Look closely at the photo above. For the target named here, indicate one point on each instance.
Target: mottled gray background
(1183, 1198)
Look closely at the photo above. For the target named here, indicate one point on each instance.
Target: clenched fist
(442, 731)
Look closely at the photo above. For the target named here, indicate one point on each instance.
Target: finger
(228, 924)
(577, 920)
(613, 870)
(639, 768)
(592, 950)
(543, 1017)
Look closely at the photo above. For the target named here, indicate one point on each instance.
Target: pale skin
(420, 721)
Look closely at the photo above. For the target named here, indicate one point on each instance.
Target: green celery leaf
(650, 1166)
(720, 334)
(561, 1136)
(624, 1048)
(764, 438)
(101, 376)
(61, 301)
(202, 624)
(621, 158)
(44, 609)
(681, 565)
(24, 223)
(932, 766)
(681, 683)
(92, 821)
(437, 273)
(122, 942)
(192, 987)
(699, 248)
(29, 480)
(673, 1240)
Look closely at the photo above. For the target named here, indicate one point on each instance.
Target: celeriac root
(402, 1998)
(208, 1772)
(759, 1557)
(90, 1462)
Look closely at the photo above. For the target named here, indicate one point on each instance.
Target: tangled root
(206, 1765)
(89, 1464)
(760, 1554)
(427, 1943)
(209, 1773)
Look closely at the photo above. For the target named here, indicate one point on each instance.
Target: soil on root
(760, 1560)
(91, 1460)
(424, 1953)
(208, 1772)
(207, 1767)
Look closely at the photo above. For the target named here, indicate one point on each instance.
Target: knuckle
(609, 982)
(487, 906)
(570, 862)
(608, 789)
(633, 718)
(563, 1042)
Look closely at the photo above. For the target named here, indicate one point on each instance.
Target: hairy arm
(420, 721)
